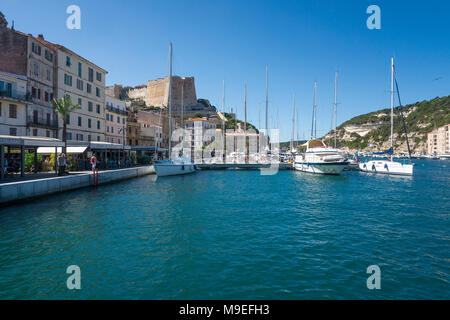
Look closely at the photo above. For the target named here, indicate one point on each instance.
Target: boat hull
(171, 169)
(333, 168)
(387, 167)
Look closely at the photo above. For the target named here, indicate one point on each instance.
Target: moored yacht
(320, 159)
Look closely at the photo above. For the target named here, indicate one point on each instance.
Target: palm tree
(64, 106)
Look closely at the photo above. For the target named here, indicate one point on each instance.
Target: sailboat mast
(267, 97)
(392, 103)
(293, 124)
(223, 119)
(314, 124)
(170, 101)
(182, 105)
(245, 109)
(335, 107)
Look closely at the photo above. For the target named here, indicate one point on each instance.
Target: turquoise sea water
(235, 235)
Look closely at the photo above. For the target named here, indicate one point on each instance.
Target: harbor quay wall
(15, 191)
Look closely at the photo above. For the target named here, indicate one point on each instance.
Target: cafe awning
(70, 150)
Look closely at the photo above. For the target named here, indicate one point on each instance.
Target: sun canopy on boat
(313, 144)
(388, 151)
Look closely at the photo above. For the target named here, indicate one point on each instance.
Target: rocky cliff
(374, 128)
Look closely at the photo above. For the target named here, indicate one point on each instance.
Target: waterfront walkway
(23, 188)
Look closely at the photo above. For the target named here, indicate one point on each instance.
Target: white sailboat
(389, 166)
(319, 158)
(176, 166)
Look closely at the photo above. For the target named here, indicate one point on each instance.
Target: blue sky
(301, 41)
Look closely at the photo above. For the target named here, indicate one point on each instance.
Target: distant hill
(421, 118)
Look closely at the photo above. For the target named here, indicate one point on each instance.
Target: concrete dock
(243, 166)
(14, 191)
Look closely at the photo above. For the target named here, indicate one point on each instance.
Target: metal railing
(42, 122)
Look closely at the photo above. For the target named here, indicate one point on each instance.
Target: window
(13, 131)
(35, 69)
(80, 84)
(6, 88)
(118, 120)
(79, 137)
(118, 140)
(107, 129)
(48, 55)
(98, 108)
(98, 124)
(97, 91)
(112, 140)
(68, 61)
(98, 138)
(79, 101)
(68, 119)
(49, 76)
(79, 121)
(69, 135)
(46, 96)
(90, 107)
(47, 134)
(13, 111)
(39, 94)
(112, 129)
(107, 117)
(99, 76)
(35, 132)
(36, 48)
(33, 92)
(89, 138)
(89, 123)
(91, 75)
(67, 80)
(79, 69)
(123, 120)
(88, 88)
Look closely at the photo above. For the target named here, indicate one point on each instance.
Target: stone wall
(13, 51)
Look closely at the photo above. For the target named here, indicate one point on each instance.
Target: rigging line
(401, 114)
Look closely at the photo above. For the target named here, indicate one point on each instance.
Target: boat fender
(386, 166)
(373, 167)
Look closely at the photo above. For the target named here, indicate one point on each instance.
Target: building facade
(13, 104)
(195, 130)
(42, 120)
(116, 121)
(133, 129)
(84, 82)
(439, 140)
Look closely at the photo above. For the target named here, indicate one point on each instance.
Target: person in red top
(93, 162)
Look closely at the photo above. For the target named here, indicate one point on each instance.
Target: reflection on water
(234, 234)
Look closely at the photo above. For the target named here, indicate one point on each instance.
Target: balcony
(116, 110)
(42, 122)
(12, 95)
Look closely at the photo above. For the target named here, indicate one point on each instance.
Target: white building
(195, 130)
(116, 120)
(13, 104)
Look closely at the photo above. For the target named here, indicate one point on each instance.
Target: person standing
(64, 160)
(93, 162)
(59, 161)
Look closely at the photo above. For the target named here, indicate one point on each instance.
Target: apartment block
(439, 140)
(116, 120)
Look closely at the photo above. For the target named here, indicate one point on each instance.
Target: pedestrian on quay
(64, 160)
(60, 163)
(93, 162)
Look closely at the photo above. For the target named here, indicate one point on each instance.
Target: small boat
(178, 166)
(390, 166)
(320, 159)
(174, 167)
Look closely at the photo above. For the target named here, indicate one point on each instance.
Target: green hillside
(421, 118)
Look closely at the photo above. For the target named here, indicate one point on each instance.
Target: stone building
(133, 129)
(116, 121)
(439, 140)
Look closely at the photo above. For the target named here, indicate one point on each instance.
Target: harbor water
(235, 234)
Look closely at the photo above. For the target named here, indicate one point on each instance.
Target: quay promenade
(26, 189)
